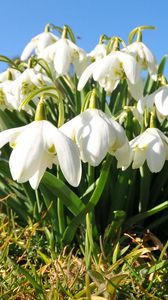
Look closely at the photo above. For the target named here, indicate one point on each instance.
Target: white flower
(38, 44)
(109, 70)
(98, 52)
(9, 74)
(62, 54)
(152, 146)
(7, 98)
(159, 100)
(12, 92)
(144, 56)
(95, 134)
(36, 146)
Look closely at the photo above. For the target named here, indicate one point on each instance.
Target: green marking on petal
(2, 97)
(52, 149)
(12, 144)
(28, 87)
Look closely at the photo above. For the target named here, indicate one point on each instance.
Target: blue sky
(20, 20)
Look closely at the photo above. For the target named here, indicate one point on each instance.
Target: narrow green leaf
(146, 214)
(162, 65)
(71, 229)
(60, 189)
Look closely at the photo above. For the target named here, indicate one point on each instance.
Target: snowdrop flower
(9, 74)
(38, 44)
(37, 146)
(13, 92)
(157, 100)
(109, 70)
(7, 97)
(160, 99)
(98, 52)
(62, 54)
(152, 146)
(96, 134)
(144, 56)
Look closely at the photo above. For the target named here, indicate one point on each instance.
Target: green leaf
(58, 188)
(71, 229)
(146, 214)
(162, 65)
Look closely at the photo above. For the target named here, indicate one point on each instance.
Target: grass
(31, 268)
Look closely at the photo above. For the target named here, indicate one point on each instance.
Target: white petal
(26, 155)
(149, 101)
(98, 52)
(62, 58)
(139, 157)
(10, 135)
(27, 50)
(147, 137)
(121, 138)
(80, 63)
(130, 66)
(152, 64)
(161, 100)
(69, 128)
(45, 162)
(107, 66)
(85, 76)
(156, 156)
(67, 153)
(46, 39)
(94, 136)
(136, 90)
(124, 156)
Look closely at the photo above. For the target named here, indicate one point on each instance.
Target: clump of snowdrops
(87, 135)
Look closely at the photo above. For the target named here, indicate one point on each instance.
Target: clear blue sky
(20, 20)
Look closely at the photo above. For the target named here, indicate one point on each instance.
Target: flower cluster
(49, 62)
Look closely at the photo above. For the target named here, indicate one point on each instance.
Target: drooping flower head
(62, 54)
(144, 56)
(38, 44)
(96, 134)
(12, 92)
(109, 70)
(157, 101)
(36, 147)
(150, 146)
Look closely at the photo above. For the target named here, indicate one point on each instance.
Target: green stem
(91, 175)
(60, 211)
(61, 216)
(38, 201)
(71, 229)
(61, 113)
(103, 100)
(144, 188)
(77, 97)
